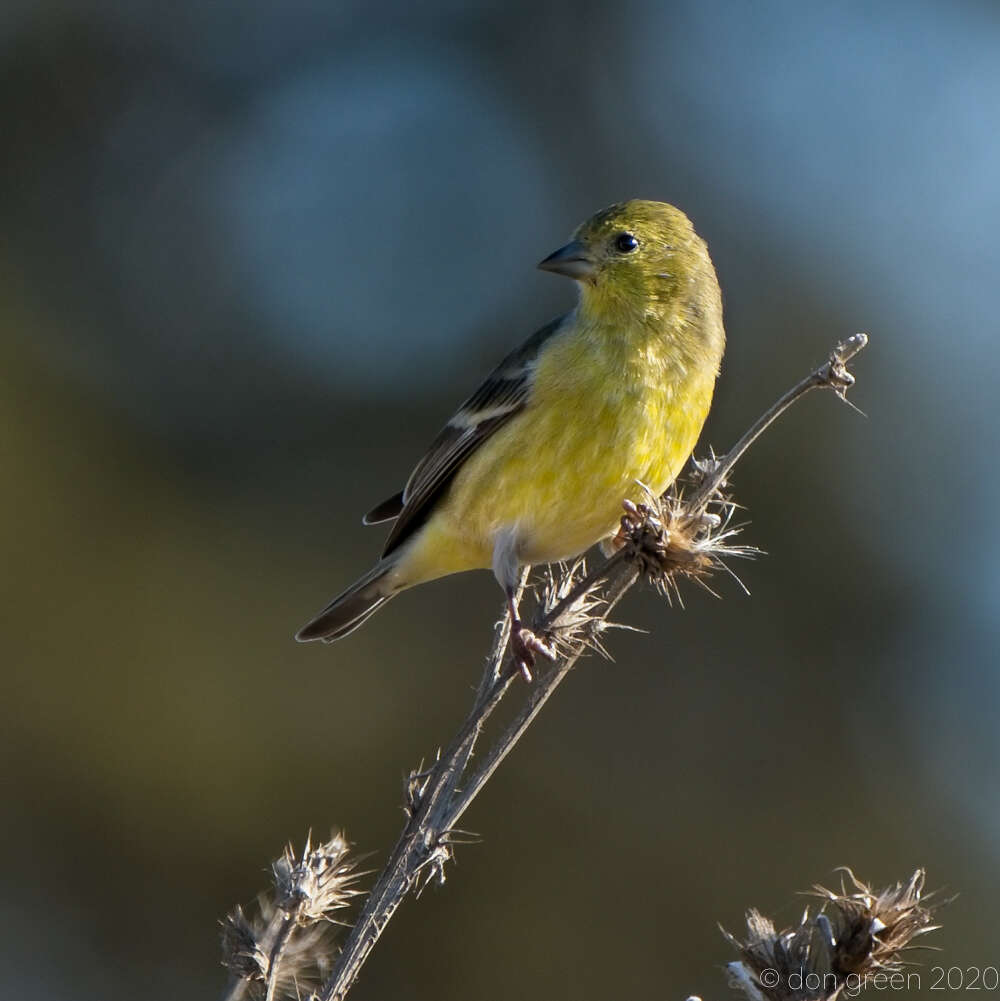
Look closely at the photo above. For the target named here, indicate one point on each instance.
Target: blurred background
(252, 254)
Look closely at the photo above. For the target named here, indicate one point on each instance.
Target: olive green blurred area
(253, 254)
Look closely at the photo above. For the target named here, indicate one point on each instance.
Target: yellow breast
(607, 412)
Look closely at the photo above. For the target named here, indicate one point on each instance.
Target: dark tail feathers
(349, 610)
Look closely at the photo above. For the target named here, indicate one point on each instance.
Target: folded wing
(505, 392)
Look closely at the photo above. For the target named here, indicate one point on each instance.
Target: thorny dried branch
(665, 539)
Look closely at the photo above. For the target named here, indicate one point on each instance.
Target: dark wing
(504, 393)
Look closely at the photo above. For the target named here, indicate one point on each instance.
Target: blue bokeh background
(253, 253)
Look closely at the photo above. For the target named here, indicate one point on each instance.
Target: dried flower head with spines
(580, 622)
(672, 540)
(856, 935)
(667, 538)
(287, 945)
(317, 883)
(241, 951)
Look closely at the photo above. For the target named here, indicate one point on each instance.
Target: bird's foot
(525, 644)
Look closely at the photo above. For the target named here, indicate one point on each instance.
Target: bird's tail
(349, 610)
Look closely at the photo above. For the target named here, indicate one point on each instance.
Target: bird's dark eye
(625, 243)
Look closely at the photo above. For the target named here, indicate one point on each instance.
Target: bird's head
(635, 255)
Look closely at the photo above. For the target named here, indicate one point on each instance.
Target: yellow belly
(603, 418)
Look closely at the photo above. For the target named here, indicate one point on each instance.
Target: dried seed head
(241, 952)
(580, 623)
(289, 944)
(320, 881)
(671, 540)
(873, 929)
(857, 934)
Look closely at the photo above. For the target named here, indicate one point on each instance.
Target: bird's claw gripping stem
(524, 643)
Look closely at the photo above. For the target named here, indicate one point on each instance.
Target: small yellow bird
(534, 466)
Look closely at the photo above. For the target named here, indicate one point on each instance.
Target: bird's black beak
(573, 261)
